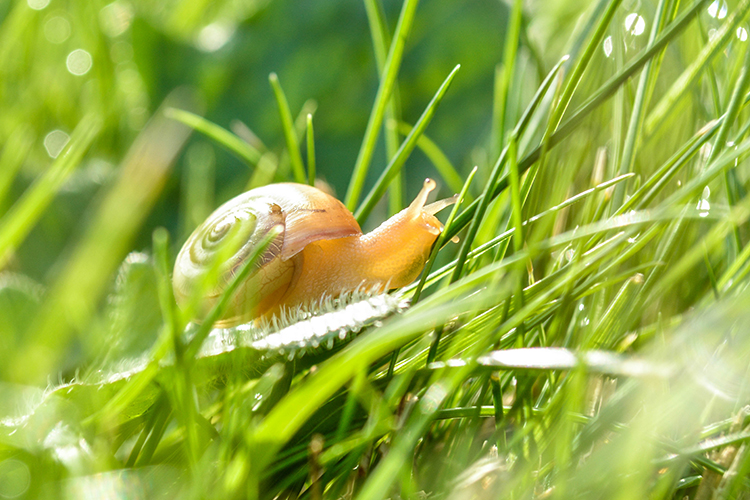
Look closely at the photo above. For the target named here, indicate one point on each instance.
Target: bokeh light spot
(213, 37)
(79, 62)
(38, 4)
(116, 17)
(121, 52)
(55, 141)
(15, 478)
(57, 29)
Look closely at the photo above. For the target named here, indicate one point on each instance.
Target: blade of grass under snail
(310, 151)
(16, 224)
(387, 83)
(438, 158)
(229, 141)
(686, 79)
(287, 126)
(281, 423)
(598, 97)
(404, 151)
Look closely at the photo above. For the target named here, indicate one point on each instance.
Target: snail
(321, 251)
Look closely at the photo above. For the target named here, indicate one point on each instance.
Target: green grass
(585, 338)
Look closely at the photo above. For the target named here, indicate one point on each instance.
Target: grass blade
(381, 41)
(686, 79)
(387, 83)
(287, 125)
(104, 244)
(21, 218)
(441, 162)
(404, 151)
(310, 151)
(226, 139)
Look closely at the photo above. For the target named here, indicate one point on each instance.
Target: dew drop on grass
(635, 24)
(718, 9)
(607, 46)
(703, 205)
(742, 34)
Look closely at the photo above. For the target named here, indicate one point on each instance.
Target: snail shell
(321, 250)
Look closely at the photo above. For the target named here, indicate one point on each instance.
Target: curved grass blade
(404, 151)
(287, 125)
(243, 150)
(297, 407)
(387, 83)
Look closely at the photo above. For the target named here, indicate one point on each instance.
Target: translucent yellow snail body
(321, 251)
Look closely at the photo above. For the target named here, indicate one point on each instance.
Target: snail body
(321, 251)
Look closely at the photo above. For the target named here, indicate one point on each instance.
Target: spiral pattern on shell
(229, 234)
(219, 246)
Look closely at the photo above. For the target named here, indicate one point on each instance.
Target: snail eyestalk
(439, 205)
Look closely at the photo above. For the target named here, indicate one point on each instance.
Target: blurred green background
(60, 60)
